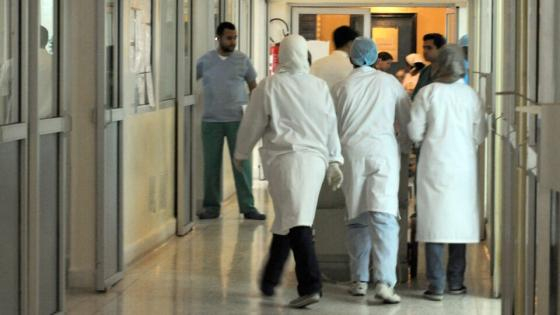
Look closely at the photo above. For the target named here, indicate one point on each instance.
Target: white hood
(293, 55)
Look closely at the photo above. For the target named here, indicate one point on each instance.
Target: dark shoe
(208, 214)
(433, 296)
(457, 291)
(267, 289)
(254, 215)
(305, 300)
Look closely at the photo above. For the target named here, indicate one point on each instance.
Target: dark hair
(384, 56)
(343, 35)
(438, 39)
(419, 66)
(223, 26)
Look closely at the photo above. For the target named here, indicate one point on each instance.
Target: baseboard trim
(149, 242)
(81, 279)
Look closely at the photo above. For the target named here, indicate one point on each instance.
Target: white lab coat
(369, 104)
(294, 114)
(449, 120)
(333, 68)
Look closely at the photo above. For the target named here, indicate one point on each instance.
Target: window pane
(111, 12)
(9, 107)
(46, 83)
(168, 63)
(137, 55)
(187, 26)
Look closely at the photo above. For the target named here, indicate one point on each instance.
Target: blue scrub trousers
(373, 234)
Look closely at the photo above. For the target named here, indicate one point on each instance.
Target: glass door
(109, 234)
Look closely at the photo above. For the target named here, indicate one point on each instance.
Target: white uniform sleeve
(335, 152)
(418, 117)
(253, 124)
(479, 125)
(403, 118)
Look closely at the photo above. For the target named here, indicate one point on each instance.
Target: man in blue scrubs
(227, 77)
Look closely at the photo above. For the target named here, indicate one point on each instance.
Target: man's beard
(228, 48)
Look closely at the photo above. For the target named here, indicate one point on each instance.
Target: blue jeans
(456, 265)
(375, 234)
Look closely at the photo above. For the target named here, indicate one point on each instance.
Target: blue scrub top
(225, 85)
(466, 72)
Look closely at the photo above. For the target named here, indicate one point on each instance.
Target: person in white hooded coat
(369, 104)
(292, 111)
(448, 118)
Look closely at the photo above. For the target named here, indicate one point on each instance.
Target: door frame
(549, 188)
(184, 102)
(103, 117)
(295, 10)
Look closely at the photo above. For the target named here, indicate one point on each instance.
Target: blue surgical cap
(464, 41)
(363, 52)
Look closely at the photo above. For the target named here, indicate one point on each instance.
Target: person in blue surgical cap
(464, 44)
(369, 104)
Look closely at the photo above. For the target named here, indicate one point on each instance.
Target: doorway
(316, 25)
(395, 33)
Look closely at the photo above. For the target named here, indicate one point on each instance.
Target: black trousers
(300, 241)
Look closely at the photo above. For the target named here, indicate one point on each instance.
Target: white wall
(260, 38)
(260, 61)
(463, 16)
(149, 170)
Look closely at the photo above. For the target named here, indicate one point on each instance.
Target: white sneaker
(305, 300)
(388, 295)
(358, 288)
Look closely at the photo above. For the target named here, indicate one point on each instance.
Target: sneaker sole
(304, 303)
(457, 292)
(385, 301)
(434, 298)
(356, 294)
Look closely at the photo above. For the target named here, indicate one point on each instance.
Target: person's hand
(334, 176)
(238, 164)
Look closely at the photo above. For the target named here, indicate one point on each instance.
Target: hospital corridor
(279, 157)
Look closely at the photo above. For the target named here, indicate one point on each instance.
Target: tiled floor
(214, 270)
